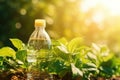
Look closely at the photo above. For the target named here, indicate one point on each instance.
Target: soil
(22, 75)
(12, 76)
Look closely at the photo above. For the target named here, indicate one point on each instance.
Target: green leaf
(1, 61)
(63, 41)
(44, 64)
(74, 44)
(22, 55)
(62, 48)
(10, 63)
(55, 43)
(90, 65)
(57, 66)
(107, 70)
(104, 50)
(61, 52)
(76, 71)
(43, 53)
(96, 47)
(91, 56)
(7, 51)
(17, 43)
(108, 57)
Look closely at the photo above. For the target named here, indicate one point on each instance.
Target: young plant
(61, 58)
(66, 60)
(103, 59)
(11, 59)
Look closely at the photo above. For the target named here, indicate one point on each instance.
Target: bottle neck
(39, 28)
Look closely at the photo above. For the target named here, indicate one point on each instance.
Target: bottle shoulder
(39, 34)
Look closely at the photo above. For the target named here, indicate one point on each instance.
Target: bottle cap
(40, 23)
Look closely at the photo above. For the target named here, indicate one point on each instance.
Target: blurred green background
(93, 20)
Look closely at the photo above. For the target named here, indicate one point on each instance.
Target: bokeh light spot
(18, 25)
(23, 11)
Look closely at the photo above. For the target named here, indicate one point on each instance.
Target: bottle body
(38, 40)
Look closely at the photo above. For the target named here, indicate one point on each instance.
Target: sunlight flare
(98, 17)
(113, 6)
(100, 10)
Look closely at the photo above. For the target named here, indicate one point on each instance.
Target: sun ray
(102, 9)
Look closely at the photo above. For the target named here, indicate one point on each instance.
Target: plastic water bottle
(38, 40)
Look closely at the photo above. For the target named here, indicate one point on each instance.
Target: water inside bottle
(31, 56)
(38, 44)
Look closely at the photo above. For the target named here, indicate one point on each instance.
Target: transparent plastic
(38, 40)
